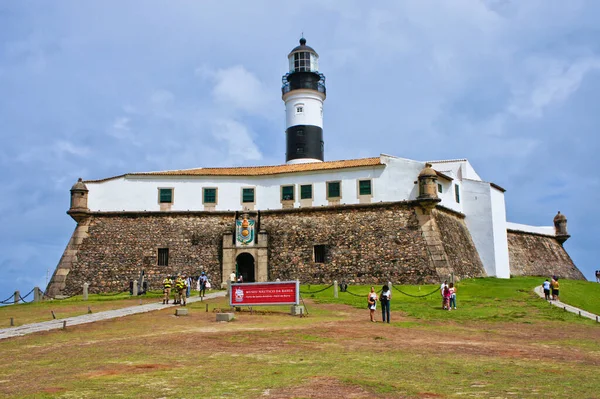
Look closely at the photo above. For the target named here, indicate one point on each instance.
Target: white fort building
(307, 182)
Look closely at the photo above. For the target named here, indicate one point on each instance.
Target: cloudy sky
(100, 88)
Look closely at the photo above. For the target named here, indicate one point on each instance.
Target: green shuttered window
(287, 193)
(333, 189)
(364, 187)
(247, 195)
(210, 195)
(457, 193)
(306, 191)
(166, 195)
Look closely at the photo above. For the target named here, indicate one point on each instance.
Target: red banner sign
(255, 294)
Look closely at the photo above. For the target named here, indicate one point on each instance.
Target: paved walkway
(90, 318)
(540, 291)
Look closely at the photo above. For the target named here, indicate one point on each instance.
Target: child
(452, 290)
(446, 294)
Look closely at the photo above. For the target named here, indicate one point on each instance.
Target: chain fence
(316, 292)
(415, 296)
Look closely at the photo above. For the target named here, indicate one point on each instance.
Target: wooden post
(36, 294)
(135, 288)
(89, 310)
(53, 315)
(335, 288)
(17, 297)
(85, 291)
(64, 324)
(12, 321)
(207, 308)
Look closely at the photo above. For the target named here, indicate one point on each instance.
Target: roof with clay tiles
(258, 170)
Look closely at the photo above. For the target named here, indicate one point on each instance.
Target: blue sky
(100, 88)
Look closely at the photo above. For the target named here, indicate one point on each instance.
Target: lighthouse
(303, 92)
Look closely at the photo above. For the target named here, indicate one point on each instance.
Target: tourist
(546, 286)
(442, 287)
(202, 279)
(372, 301)
(232, 277)
(452, 290)
(598, 276)
(167, 283)
(555, 286)
(188, 289)
(385, 298)
(240, 279)
(446, 295)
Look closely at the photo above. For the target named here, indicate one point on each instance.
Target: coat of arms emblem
(244, 231)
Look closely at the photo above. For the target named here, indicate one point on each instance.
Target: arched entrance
(245, 267)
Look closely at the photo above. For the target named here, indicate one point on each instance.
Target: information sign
(273, 293)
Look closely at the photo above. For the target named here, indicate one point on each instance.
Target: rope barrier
(315, 292)
(29, 293)
(23, 300)
(352, 293)
(415, 296)
(8, 300)
(115, 293)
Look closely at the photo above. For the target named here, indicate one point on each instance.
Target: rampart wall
(539, 255)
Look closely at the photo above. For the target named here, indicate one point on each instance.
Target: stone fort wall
(119, 246)
(539, 255)
(364, 243)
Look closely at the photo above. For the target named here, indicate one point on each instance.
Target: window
(364, 187)
(457, 193)
(299, 109)
(287, 193)
(163, 256)
(333, 189)
(319, 253)
(209, 195)
(300, 149)
(247, 195)
(302, 62)
(439, 188)
(306, 191)
(165, 195)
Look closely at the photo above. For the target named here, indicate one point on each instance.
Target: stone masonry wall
(460, 249)
(119, 246)
(365, 243)
(538, 255)
(368, 244)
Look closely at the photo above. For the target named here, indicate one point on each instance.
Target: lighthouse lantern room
(303, 92)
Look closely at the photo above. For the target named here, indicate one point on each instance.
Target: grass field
(502, 342)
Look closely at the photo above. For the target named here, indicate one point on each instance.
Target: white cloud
(239, 141)
(122, 130)
(552, 81)
(238, 88)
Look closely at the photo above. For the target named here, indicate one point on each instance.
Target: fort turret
(79, 201)
(560, 228)
(428, 196)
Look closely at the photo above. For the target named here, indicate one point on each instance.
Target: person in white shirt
(384, 299)
(546, 286)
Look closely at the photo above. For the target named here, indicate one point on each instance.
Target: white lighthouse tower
(303, 92)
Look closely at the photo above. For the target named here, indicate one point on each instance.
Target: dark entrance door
(245, 264)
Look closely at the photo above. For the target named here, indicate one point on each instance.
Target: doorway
(245, 267)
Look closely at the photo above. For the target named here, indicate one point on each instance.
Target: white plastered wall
(485, 213)
(392, 181)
